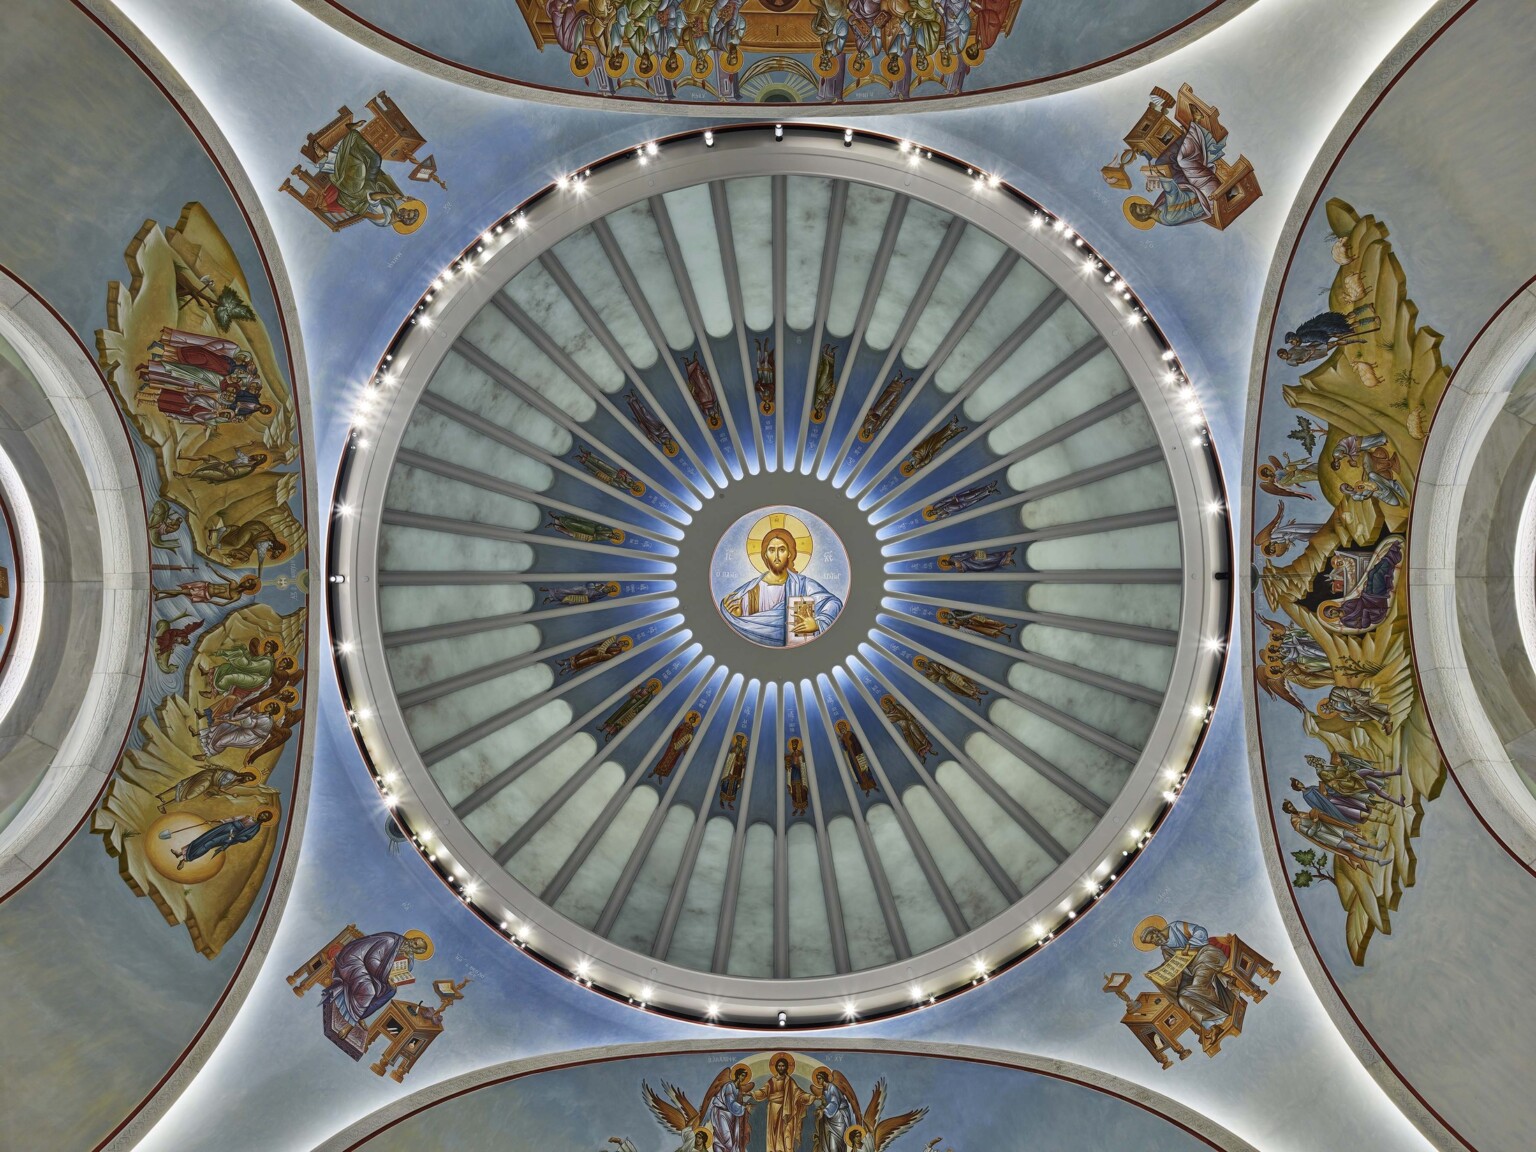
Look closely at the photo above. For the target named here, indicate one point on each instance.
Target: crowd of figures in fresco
(798, 1104)
(192, 812)
(786, 50)
(1342, 717)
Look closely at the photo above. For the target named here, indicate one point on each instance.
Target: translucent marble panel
(635, 230)
(417, 664)
(1025, 861)
(1147, 664)
(869, 943)
(460, 774)
(810, 937)
(807, 201)
(1064, 333)
(693, 940)
(444, 439)
(922, 230)
(1149, 546)
(494, 822)
(972, 888)
(447, 716)
(751, 204)
(1103, 773)
(536, 863)
(1109, 712)
(1127, 431)
(540, 297)
(1060, 815)
(583, 258)
(1135, 491)
(636, 924)
(752, 932)
(504, 342)
(693, 222)
(1155, 605)
(411, 490)
(1096, 381)
(921, 916)
(975, 257)
(407, 549)
(587, 893)
(1020, 293)
(863, 224)
(458, 380)
(415, 607)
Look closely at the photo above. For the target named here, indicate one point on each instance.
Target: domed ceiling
(791, 575)
(771, 51)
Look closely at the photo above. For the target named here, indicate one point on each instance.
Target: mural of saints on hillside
(193, 812)
(801, 49)
(350, 183)
(1341, 709)
(1203, 985)
(1186, 172)
(359, 976)
(786, 1096)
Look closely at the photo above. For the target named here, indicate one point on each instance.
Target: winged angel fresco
(814, 1109)
(1334, 644)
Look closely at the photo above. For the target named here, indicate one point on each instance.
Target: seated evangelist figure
(760, 608)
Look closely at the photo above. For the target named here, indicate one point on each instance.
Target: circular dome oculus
(780, 578)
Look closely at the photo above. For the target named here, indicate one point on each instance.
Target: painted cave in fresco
(1341, 704)
(770, 51)
(192, 815)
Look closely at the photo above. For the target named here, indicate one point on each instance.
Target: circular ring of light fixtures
(389, 399)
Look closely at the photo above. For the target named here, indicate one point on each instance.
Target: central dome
(778, 577)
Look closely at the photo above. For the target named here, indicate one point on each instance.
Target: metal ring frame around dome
(385, 407)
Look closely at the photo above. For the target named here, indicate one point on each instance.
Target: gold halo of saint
(783, 522)
(419, 935)
(856, 1139)
(1143, 223)
(1153, 921)
(408, 224)
(773, 1063)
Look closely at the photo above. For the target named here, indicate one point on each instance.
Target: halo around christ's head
(805, 543)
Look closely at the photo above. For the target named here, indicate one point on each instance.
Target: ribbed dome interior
(1015, 558)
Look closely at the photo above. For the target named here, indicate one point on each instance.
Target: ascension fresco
(1335, 659)
(784, 1100)
(191, 815)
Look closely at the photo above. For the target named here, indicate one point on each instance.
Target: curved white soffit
(94, 714)
(1387, 72)
(1472, 747)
